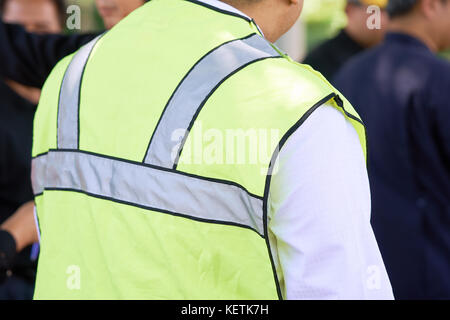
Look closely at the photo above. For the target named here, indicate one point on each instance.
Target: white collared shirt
(319, 206)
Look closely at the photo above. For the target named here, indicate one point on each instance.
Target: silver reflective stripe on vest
(38, 174)
(195, 88)
(136, 184)
(70, 96)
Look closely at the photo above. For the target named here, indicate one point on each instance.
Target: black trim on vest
(41, 154)
(269, 176)
(250, 20)
(227, 182)
(340, 104)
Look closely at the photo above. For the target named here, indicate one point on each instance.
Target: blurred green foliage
(446, 54)
(323, 19)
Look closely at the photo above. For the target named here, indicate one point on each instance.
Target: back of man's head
(400, 7)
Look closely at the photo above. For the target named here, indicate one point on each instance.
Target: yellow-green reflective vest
(127, 210)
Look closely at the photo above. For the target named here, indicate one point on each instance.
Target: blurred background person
(17, 107)
(401, 91)
(18, 104)
(328, 57)
(39, 16)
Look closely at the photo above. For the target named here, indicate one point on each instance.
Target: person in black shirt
(328, 57)
(26, 60)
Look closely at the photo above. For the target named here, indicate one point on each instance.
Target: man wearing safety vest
(181, 155)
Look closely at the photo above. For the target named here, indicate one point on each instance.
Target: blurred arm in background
(28, 58)
(331, 55)
(16, 233)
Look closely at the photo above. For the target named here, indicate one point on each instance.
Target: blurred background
(400, 73)
(320, 20)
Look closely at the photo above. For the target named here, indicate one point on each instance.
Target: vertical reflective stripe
(196, 87)
(69, 98)
(166, 191)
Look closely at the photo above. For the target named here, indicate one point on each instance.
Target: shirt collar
(222, 6)
(406, 39)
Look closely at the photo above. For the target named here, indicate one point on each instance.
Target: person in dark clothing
(401, 91)
(328, 57)
(26, 60)
(16, 123)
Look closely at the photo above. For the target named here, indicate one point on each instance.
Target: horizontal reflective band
(151, 188)
(69, 98)
(195, 88)
(38, 167)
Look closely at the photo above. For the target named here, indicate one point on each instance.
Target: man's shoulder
(294, 85)
(289, 73)
(322, 51)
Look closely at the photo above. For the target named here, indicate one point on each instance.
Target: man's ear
(429, 8)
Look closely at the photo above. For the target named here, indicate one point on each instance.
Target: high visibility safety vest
(125, 209)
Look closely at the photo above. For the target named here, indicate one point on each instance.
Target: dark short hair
(400, 7)
(60, 6)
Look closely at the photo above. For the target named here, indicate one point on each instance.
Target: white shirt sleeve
(36, 223)
(319, 209)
